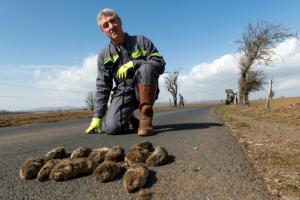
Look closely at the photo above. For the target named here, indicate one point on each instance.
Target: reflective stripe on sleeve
(141, 52)
(138, 53)
(112, 59)
(156, 54)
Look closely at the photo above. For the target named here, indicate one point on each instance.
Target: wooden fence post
(269, 94)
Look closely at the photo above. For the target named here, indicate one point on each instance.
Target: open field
(9, 120)
(271, 139)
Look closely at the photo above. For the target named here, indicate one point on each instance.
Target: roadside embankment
(271, 139)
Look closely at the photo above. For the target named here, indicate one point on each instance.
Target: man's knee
(147, 69)
(114, 128)
(147, 74)
(111, 128)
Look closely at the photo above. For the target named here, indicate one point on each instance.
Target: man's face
(112, 28)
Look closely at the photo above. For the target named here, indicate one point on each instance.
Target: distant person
(181, 101)
(134, 64)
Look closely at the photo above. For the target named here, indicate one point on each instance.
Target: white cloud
(288, 48)
(74, 78)
(292, 83)
(49, 86)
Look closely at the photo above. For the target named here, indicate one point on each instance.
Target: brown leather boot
(147, 95)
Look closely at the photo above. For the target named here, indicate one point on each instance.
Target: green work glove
(95, 126)
(122, 72)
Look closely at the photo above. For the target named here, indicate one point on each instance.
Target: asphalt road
(205, 162)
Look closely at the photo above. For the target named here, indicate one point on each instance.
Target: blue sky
(42, 41)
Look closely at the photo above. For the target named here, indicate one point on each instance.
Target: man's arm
(103, 88)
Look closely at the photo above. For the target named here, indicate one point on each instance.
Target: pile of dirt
(271, 139)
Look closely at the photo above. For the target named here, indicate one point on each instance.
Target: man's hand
(122, 72)
(95, 126)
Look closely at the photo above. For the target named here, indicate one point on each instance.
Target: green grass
(223, 110)
(293, 161)
(243, 125)
(292, 188)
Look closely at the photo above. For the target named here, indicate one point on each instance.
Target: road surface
(205, 161)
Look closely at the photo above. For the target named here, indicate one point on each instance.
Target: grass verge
(271, 139)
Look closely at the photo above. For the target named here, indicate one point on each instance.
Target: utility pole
(269, 94)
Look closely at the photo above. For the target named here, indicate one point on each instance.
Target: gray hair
(107, 12)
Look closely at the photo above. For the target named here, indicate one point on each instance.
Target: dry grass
(271, 139)
(9, 120)
(282, 110)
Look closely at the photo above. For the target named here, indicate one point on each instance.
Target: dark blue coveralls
(148, 65)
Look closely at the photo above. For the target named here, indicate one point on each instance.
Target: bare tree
(90, 100)
(253, 81)
(257, 48)
(172, 86)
